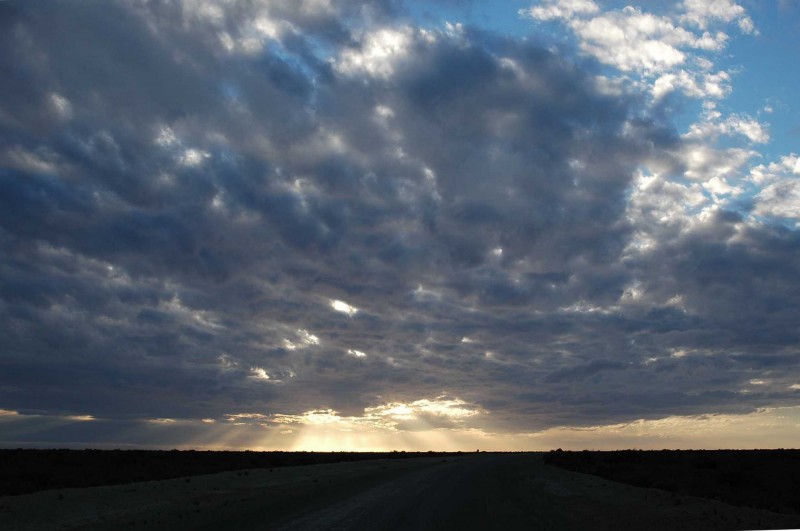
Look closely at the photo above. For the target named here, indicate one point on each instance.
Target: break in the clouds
(317, 224)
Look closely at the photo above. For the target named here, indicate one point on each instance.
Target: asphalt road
(471, 491)
(518, 492)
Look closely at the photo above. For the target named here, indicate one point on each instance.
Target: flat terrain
(471, 491)
(765, 479)
(27, 470)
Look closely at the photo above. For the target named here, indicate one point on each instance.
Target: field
(767, 479)
(393, 491)
(25, 471)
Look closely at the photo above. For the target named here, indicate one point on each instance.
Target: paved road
(513, 492)
(483, 491)
(458, 494)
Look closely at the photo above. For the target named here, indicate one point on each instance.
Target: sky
(399, 225)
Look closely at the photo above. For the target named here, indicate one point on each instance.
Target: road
(470, 491)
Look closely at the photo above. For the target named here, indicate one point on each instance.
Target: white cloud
(659, 206)
(377, 54)
(200, 318)
(308, 338)
(747, 26)
(554, 9)
(787, 166)
(694, 84)
(241, 419)
(582, 307)
(779, 184)
(704, 12)
(664, 47)
(720, 186)
(193, 157)
(704, 162)
(390, 416)
(166, 137)
(737, 124)
(304, 339)
(440, 406)
(780, 199)
(161, 421)
(343, 307)
(257, 373)
(631, 40)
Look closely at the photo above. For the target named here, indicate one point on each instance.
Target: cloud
(377, 53)
(668, 52)
(343, 307)
(755, 131)
(694, 84)
(556, 9)
(315, 211)
(781, 199)
(702, 13)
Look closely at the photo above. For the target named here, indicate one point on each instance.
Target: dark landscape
(766, 479)
(23, 471)
(400, 490)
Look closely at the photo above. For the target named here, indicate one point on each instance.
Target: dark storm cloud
(185, 189)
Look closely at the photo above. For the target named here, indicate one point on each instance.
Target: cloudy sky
(369, 225)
